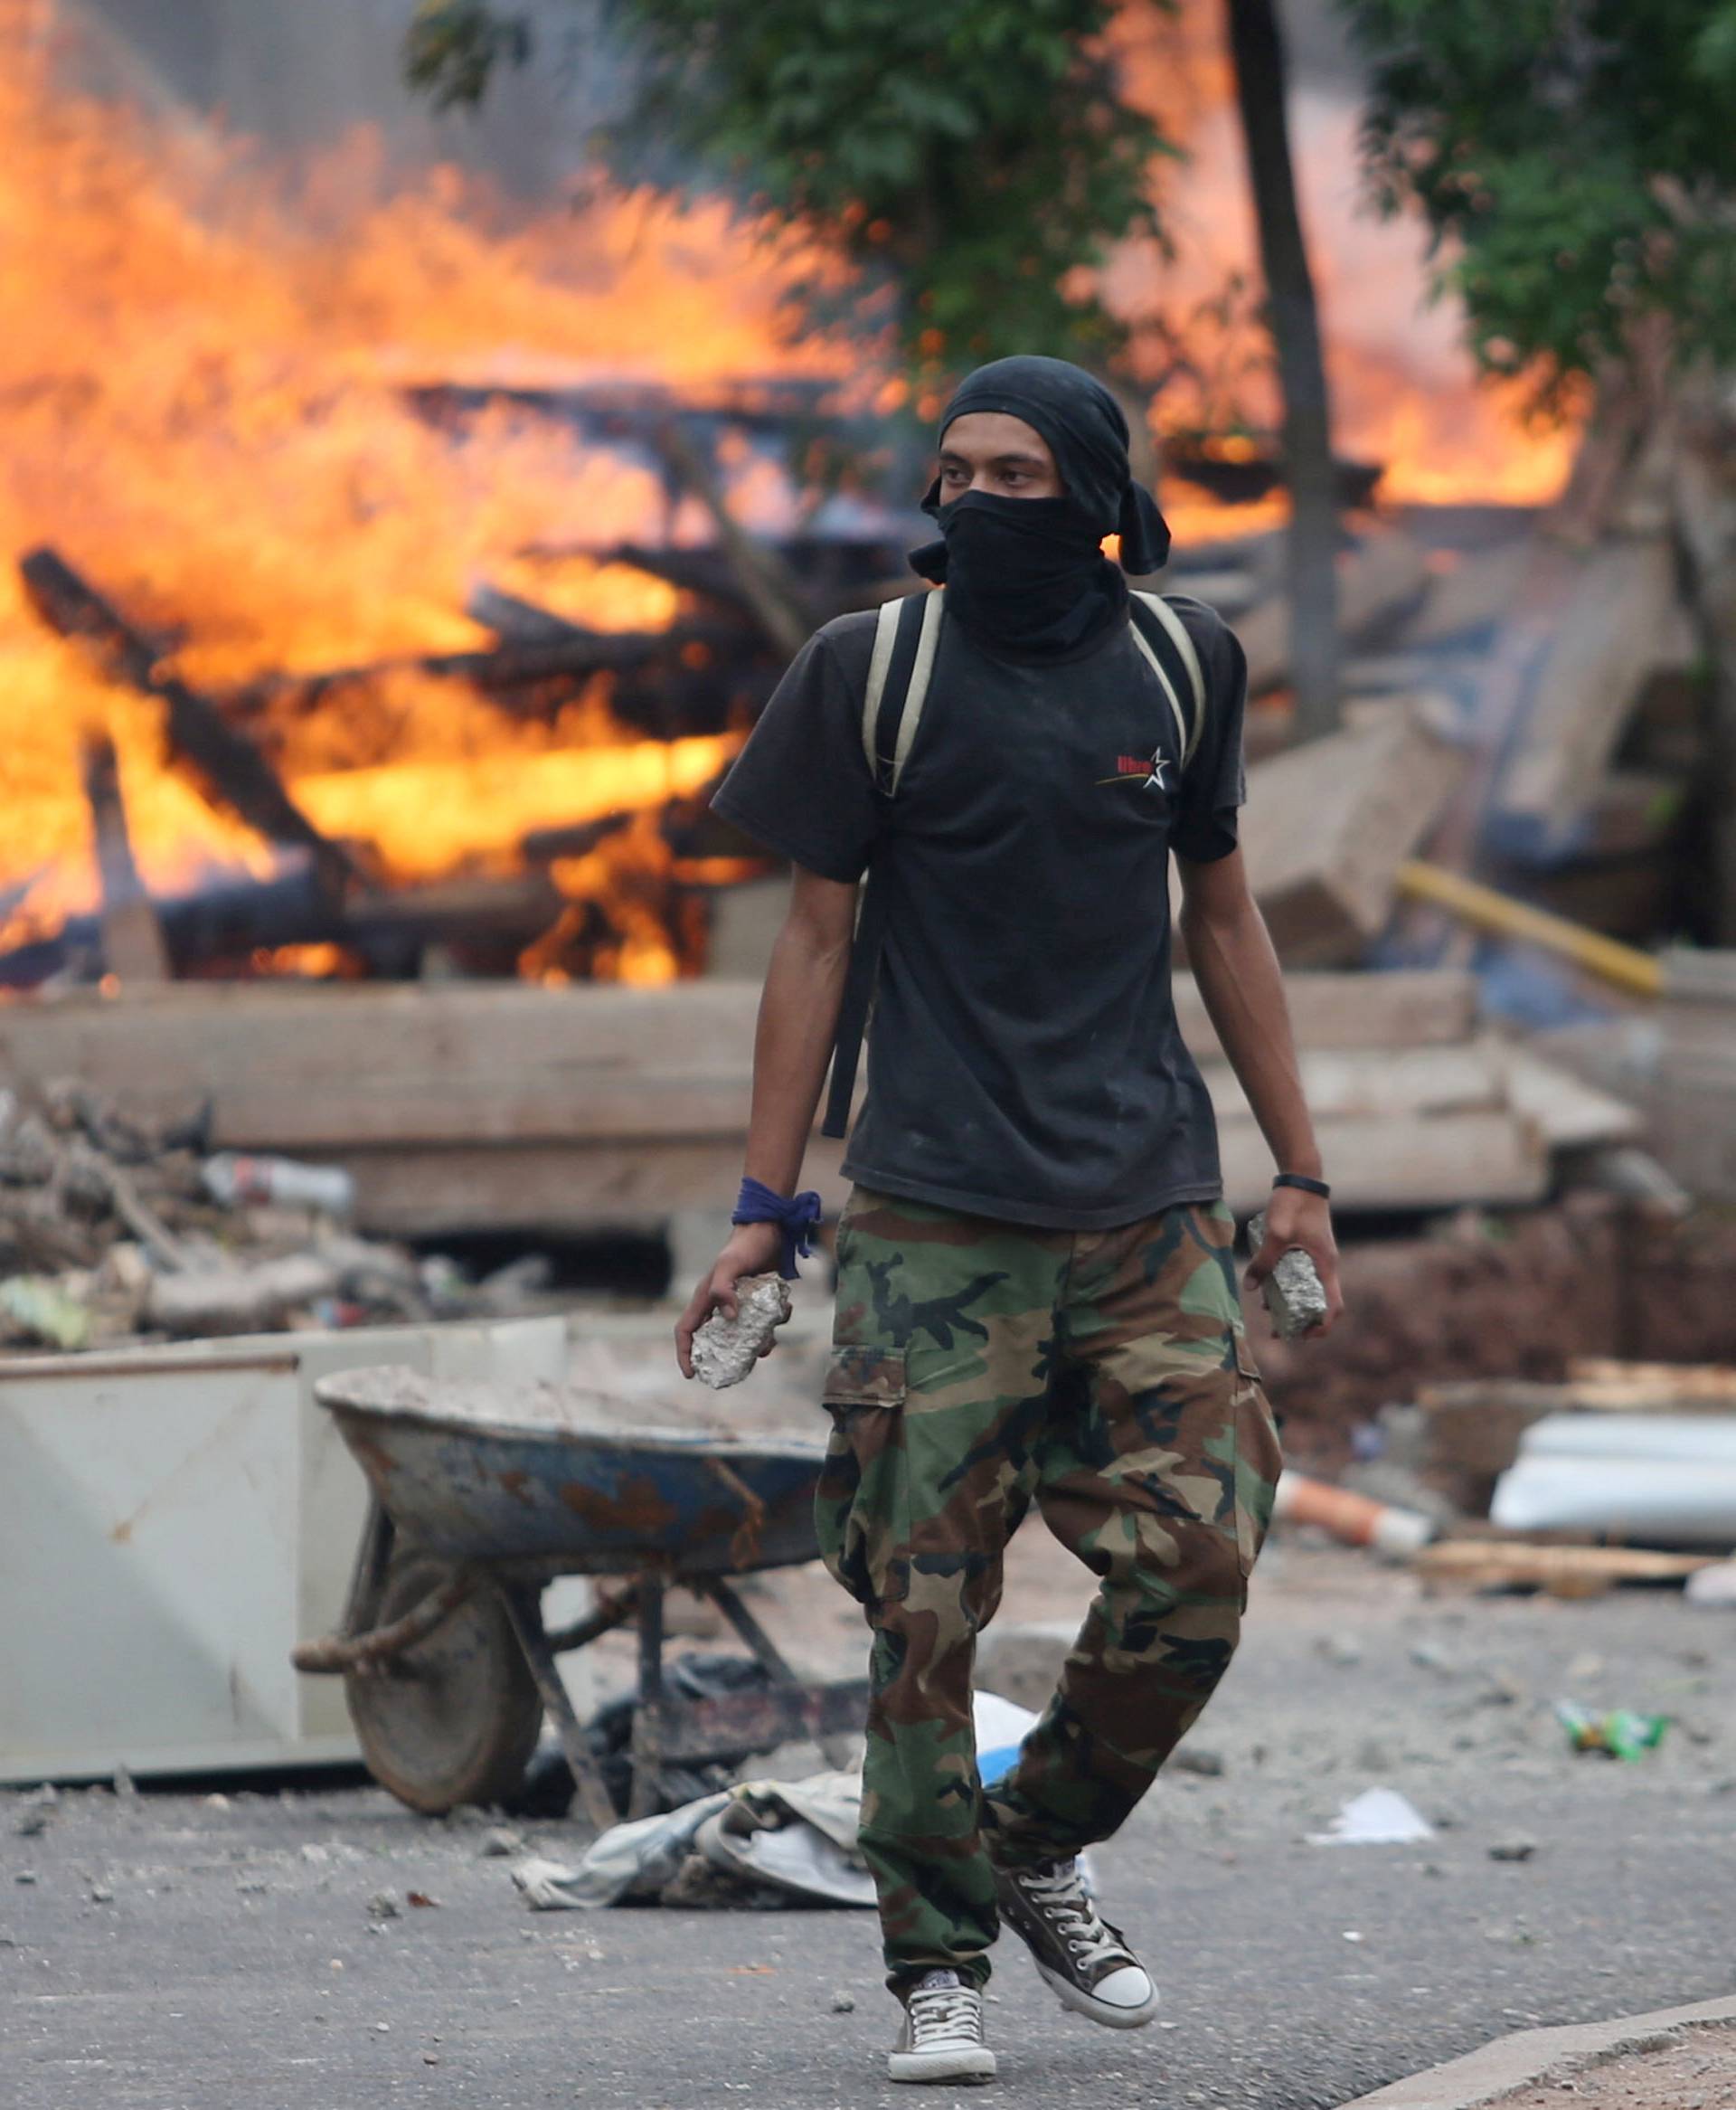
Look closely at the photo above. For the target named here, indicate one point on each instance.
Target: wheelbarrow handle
(336, 1652)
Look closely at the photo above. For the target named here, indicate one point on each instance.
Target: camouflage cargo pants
(979, 1365)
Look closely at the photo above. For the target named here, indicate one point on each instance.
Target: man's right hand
(753, 1249)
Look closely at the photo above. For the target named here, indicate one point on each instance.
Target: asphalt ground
(165, 1952)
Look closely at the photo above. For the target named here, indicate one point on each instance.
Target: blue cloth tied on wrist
(797, 1214)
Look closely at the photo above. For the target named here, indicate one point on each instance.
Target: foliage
(1576, 161)
(972, 162)
(451, 47)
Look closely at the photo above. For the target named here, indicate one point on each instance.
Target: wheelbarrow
(481, 1498)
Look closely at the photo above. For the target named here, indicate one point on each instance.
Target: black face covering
(1029, 573)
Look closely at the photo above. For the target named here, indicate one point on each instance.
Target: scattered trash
(382, 1905)
(232, 1178)
(1208, 1764)
(100, 1894)
(421, 1900)
(1714, 1588)
(39, 1309)
(499, 1841)
(785, 1836)
(1343, 1649)
(759, 1843)
(1002, 1726)
(1356, 1519)
(1620, 1734)
(844, 2003)
(24, 1876)
(1512, 1850)
(1377, 1816)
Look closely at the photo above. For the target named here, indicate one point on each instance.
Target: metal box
(172, 1520)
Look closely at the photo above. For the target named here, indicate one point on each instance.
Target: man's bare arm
(1230, 950)
(799, 1017)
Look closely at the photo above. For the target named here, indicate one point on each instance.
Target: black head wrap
(1029, 572)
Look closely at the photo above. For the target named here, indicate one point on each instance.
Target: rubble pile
(113, 1231)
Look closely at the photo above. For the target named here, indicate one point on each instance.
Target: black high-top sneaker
(1085, 1961)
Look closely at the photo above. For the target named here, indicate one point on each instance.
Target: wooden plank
(132, 938)
(1328, 824)
(1431, 1162)
(1607, 1383)
(1620, 625)
(303, 1066)
(1410, 1008)
(1382, 1081)
(428, 1190)
(541, 1186)
(1570, 1115)
(1564, 1571)
(232, 768)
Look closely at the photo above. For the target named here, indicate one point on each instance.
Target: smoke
(299, 76)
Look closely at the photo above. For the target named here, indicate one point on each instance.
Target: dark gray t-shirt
(1023, 1061)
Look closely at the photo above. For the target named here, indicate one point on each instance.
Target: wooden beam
(1327, 826)
(307, 1065)
(231, 767)
(1621, 623)
(1564, 1571)
(132, 938)
(1422, 1007)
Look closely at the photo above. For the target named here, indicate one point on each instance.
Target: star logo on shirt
(1145, 770)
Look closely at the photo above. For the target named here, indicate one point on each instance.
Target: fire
(206, 404)
(1404, 392)
(203, 401)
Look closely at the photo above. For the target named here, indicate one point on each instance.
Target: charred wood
(231, 767)
(132, 941)
(766, 582)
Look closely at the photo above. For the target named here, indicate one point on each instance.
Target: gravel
(236, 1962)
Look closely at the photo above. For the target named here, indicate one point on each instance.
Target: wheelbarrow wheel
(454, 1718)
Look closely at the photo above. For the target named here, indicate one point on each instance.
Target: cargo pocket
(1258, 1458)
(863, 1508)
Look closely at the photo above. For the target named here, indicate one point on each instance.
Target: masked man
(1036, 1289)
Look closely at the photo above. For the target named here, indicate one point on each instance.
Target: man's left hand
(1297, 1219)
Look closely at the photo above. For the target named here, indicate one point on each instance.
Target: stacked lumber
(476, 1105)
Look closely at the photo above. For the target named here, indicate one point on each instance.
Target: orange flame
(202, 406)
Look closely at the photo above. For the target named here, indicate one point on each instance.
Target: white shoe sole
(975, 2065)
(1098, 2010)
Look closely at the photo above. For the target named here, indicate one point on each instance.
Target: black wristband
(1308, 1186)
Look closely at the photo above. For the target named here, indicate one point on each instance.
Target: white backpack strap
(1187, 735)
(885, 638)
(887, 770)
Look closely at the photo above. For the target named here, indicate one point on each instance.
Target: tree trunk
(1258, 49)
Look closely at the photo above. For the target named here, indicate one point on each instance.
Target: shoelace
(1061, 1898)
(942, 2011)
